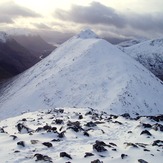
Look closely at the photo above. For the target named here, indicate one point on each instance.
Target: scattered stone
(129, 132)
(157, 127)
(74, 126)
(56, 140)
(131, 144)
(88, 154)
(123, 156)
(114, 149)
(24, 119)
(62, 134)
(34, 141)
(48, 144)
(141, 145)
(85, 133)
(40, 157)
(142, 161)
(23, 129)
(113, 144)
(99, 146)
(64, 154)
(126, 115)
(80, 116)
(14, 137)
(21, 143)
(97, 161)
(158, 143)
(146, 132)
(146, 150)
(2, 130)
(46, 128)
(16, 151)
(90, 124)
(146, 125)
(88, 113)
(117, 122)
(59, 121)
(157, 118)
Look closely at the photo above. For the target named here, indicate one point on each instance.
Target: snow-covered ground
(85, 71)
(44, 136)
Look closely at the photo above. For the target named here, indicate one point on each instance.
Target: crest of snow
(85, 73)
(3, 37)
(86, 34)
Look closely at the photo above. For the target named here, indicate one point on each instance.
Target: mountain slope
(35, 44)
(150, 54)
(14, 58)
(85, 72)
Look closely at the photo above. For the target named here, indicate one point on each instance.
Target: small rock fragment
(90, 124)
(48, 144)
(64, 154)
(88, 154)
(146, 132)
(21, 143)
(14, 137)
(142, 161)
(123, 156)
(97, 161)
(34, 141)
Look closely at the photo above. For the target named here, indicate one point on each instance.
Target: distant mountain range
(18, 53)
(149, 53)
(35, 44)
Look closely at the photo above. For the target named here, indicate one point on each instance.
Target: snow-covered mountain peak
(85, 73)
(86, 34)
(3, 37)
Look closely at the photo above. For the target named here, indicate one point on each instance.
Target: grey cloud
(11, 10)
(96, 13)
(99, 14)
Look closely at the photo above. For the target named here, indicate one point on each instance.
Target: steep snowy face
(3, 37)
(150, 54)
(85, 72)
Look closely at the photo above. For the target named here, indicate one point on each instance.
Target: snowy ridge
(80, 135)
(150, 54)
(3, 37)
(85, 73)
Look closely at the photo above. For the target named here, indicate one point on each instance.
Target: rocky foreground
(72, 135)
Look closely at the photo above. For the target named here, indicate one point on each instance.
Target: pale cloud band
(10, 10)
(97, 13)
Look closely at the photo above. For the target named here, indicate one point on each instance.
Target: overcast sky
(110, 18)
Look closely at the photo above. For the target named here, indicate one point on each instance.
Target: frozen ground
(42, 135)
